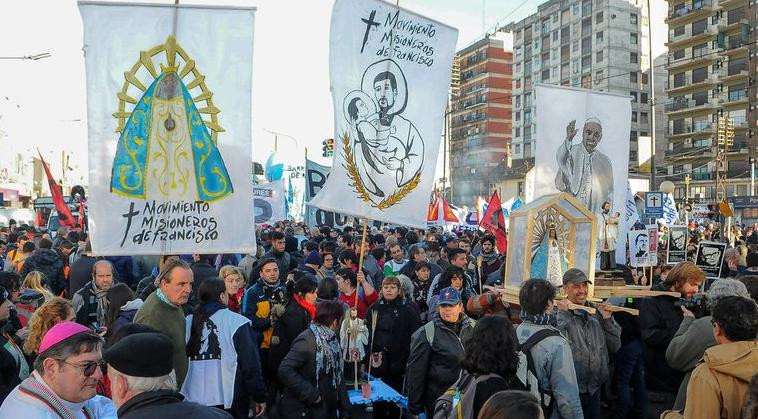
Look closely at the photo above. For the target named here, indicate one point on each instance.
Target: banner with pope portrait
(390, 74)
(169, 128)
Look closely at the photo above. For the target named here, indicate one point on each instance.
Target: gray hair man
(143, 382)
(696, 335)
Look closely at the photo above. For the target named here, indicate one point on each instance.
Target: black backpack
(527, 372)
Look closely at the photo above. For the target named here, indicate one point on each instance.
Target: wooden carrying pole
(360, 262)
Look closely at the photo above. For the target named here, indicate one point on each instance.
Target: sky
(43, 103)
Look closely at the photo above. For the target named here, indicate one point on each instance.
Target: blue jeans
(630, 372)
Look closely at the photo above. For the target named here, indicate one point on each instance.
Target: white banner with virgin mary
(390, 74)
(168, 115)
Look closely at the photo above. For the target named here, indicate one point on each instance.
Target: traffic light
(328, 147)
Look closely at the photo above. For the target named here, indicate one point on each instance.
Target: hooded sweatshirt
(718, 385)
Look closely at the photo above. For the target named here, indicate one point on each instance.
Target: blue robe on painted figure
(165, 151)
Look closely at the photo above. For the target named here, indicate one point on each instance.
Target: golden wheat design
(357, 183)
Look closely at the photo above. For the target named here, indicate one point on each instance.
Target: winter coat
(125, 316)
(592, 339)
(433, 368)
(687, 348)
(169, 320)
(50, 264)
(719, 384)
(200, 272)
(9, 366)
(256, 306)
(294, 321)
(297, 374)
(283, 260)
(555, 370)
(659, 320)
(166, 404)
(396, 321)
(80, 274)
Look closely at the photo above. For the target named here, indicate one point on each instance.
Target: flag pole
(360, 260)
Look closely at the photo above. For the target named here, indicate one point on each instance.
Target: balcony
(678, 86)
(694, 131)
(703, 56)
(735, 97)
(732, 74)
(727, 25)
(734, 48)
(688, 153)
(687, 105)
(691, 10)
(689, 37)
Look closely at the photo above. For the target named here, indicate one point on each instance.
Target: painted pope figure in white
(583, 170)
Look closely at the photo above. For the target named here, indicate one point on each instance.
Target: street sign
(654, 204)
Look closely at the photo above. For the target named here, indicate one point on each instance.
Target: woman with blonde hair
(33, 281)
(234, 280)
(52, 312)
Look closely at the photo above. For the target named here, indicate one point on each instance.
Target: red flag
(64, 213)
(448, 214)
(434, 210)
(493, 221)
(39, 220)
(81, 214)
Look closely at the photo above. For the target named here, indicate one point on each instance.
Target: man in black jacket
(47, 261)
(143, 360)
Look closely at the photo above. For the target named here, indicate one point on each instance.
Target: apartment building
(711, 73)
(480, 115)
(594, 44)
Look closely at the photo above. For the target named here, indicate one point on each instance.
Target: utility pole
(444, 149)
(725, 138)
(651, 83)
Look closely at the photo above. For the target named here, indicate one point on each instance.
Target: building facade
(593, 44)
(480, 115)
(711, 73)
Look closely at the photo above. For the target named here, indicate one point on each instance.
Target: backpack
(458, 401)
(527, 372)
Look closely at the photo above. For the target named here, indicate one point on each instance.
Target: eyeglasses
(89, 367)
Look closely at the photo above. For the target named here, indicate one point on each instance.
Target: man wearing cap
(145, 386)
(436, 353)
(64, 381)
(591, 337)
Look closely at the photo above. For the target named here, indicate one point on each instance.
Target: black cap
(575, 276)
(141, 355)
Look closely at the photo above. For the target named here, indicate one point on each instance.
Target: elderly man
(91, 302)
(163, 311)
(592, 339)
(145, 386)
(65, 378)
(583, 171)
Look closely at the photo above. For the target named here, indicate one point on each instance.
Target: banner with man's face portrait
(676, 247)
(710, 257)
(643, 246)
(390, 73)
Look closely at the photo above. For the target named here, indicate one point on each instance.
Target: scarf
(326, 272)
(310, 308)
(488, 258)
(328, 359)
(39, 391)
(159, 293)
(102, 302)
(542, 319)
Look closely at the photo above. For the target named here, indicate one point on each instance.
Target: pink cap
(60, 332)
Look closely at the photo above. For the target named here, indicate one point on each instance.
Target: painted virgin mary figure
(165, 150)
(549, 260)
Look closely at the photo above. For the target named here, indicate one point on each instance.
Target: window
(643, 117)
(517, 102)
(634, 116)
(599, 37)
(599, 56)
(632, 77)
(527, 100)
(587, 8)
(644, 78)
(633, 18)
(546, 74)
(517, 68)
(575, 46)
(555, 36)
(575, 65)
(545, 26)
(598, 76)
(517, 131)
(517, 52)
(517, 149)
(518, 34)
(633, 58)
(527, 118)
(587, 81)
(527, 67)
(586, 45)
(518, 84)
(565, 34)
(643, 97)
(633, 38)
(555, 17)
(518, 116)
(699, 26)
(699, 74)
(599, 17)
(634, 96)
(575, 9)
(586, 62)
(679, 30)
(699, 50)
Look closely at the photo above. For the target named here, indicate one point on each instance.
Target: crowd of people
(287, 331)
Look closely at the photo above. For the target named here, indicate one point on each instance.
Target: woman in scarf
(327, 266)
(311, 373)
(234, 280)
(298, 313)
(224, 367)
